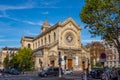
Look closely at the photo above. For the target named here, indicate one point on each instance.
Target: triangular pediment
(73, 23)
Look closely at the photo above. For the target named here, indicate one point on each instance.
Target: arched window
(38, 43)
(29, 46)
(41, 41)
(54, 36)
(49, 38)
(33, 45)
(45, 40)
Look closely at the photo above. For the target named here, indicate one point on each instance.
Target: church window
(33, 46)
(29, 46)
(45, 40)
(41, 41)
(49, 38)
(54, 36)
(38, 43)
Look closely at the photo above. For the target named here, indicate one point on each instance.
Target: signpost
(65, 58)
(102, 59)
(59, 62)
(40, 62)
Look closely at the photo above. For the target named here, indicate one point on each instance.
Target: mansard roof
(29, 37)
(9, 48)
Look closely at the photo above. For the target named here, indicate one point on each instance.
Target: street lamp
(40, 62)
(65, 58)
(88, 66)
(59, 61)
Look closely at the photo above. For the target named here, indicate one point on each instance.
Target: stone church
(62, 40)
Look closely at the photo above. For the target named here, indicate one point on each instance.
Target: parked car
(7, 70)
(50, 72)
(119, 72)
(14, 71)
(1, 74)
(96, 73)
(68, 71)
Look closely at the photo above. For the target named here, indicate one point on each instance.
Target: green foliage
(98, 64)
(23, 60)
(6, 61)
(102, 17)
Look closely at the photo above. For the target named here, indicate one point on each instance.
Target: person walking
(84, 75)
(114, 74)
(104, 75)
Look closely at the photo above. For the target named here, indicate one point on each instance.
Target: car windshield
(46, 69)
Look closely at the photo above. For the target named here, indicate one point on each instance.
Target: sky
(24, 18)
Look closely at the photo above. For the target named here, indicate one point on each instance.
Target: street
(34, 76)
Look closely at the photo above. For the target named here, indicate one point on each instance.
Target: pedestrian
(114, 74)
(105, 74)
(84, 75)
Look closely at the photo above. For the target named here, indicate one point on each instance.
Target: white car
(67, 71)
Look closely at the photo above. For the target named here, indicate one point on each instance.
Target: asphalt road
(34, 76)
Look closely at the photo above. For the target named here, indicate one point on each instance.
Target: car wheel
(45, 75)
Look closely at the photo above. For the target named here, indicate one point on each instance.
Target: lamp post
(40, 62)
(103, 58)
(59, 62)
(65, 58)
(88, 67)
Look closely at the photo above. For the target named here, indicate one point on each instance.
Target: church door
(52, 63)
(70, 64)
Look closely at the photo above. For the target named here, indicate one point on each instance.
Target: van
(50, 71)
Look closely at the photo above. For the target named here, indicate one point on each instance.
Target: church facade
(62, 40)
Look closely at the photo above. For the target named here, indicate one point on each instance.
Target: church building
(62, 40)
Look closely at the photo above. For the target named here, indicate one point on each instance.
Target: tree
(6, 61)
(102, 17)
(23, 60)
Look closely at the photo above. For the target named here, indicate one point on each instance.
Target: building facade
(63, 38)
(112, 59)
(7, 51)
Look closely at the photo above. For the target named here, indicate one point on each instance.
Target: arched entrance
(52, 63)
(83, 65)
(52, 57)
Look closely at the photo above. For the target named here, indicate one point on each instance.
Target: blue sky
(25, 17)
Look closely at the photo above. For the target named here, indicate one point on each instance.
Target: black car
(50, 72)
(118, 72)
(14, 72)
(96, 73)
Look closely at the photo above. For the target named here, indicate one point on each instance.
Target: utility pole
(40, 62)
(59, 62)
(65, 57)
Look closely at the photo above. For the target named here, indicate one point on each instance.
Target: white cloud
(27, 32)
(8, 40)
(48, 4)
(33, 23)
(27, 5)
(30, 4)
(6, 7)
(27, 22)
(45, 12)
(89, 41)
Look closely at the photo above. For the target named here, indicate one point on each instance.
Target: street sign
(103, 56)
